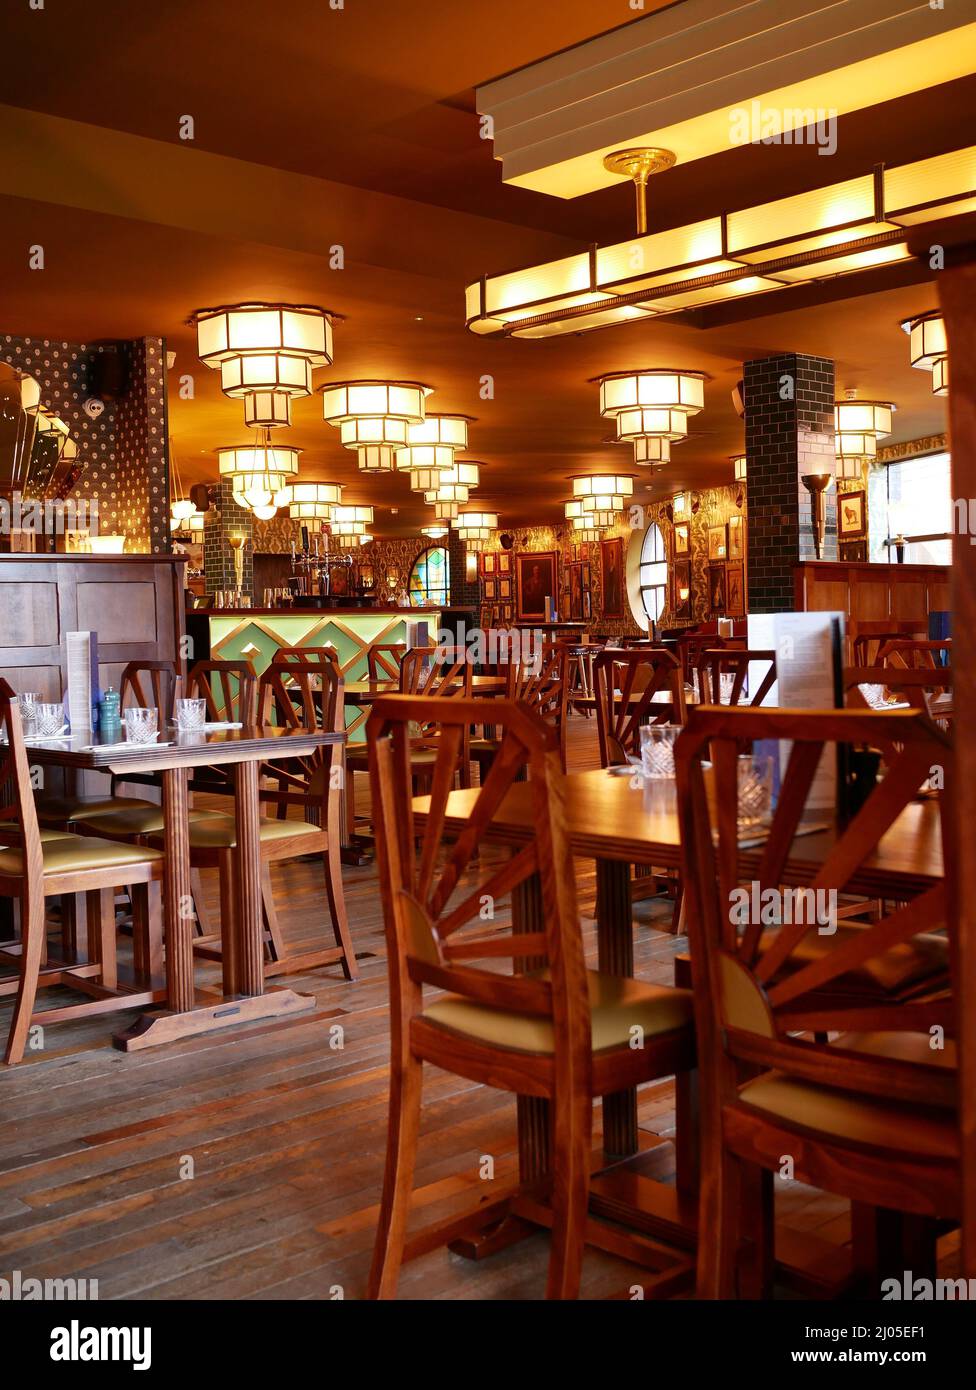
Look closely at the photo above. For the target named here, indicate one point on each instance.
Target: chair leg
(74, 927)
(273, 942)
(101, 934)
(406, 1084)
(755, 1272)
(718, 1213)
(337, 907)
(147, 931)
(33, 927)
(228, 919)
(204, 925)
(572, 1144)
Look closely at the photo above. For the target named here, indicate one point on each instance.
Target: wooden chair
(869, 1115)
(625, 685)
(927, 688)
(550, 1028)
(543, 686)
(297, 695)
(868, 636)
(36, 865)
(383, 660)
(319, 656)
(913, 652)
(421, 675)
(714, 662)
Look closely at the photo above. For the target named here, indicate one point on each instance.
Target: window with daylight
(920, 508)
(653, 576)
(430, 578)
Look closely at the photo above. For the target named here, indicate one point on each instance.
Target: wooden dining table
(243, 750)
(620, 821)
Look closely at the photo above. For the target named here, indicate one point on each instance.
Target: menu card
(81, 659)
(808, 662)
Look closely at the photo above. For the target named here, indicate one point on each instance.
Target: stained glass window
(430, 578)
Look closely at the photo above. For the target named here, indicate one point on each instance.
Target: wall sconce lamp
(817, 484)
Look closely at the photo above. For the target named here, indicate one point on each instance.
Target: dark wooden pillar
(789, 401)
(957, 296)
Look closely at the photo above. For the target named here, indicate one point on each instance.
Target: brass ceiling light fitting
(844, 228)
(817, 484)
(640, 165)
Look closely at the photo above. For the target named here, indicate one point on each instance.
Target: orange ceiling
(367, 115)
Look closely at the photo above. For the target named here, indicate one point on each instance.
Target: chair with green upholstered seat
(830, 1044)
(544, 1027)
(36, 865)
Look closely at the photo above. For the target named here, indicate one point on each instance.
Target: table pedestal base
(155, 1030)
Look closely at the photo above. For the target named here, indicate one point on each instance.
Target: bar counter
(255, 634)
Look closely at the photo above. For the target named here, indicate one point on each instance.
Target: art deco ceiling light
(583, 516)
(434, 443)
(311, 501)
(374, 417)
(602, 492)
(258, 472)
(652, 451)
(739, 466)
(352, 516)
(436, 533)
(858, 425)
(855, 225)
(651, 405)
(928, 348)
(265, 354)
(475, 528)
(181, 508)
(462, 473)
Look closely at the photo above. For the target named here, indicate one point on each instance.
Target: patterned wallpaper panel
(123, 454)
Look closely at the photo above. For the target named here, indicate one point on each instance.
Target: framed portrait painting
(682, 538)
(535, 583)
(612, 559)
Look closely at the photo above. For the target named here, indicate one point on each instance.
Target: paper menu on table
(806, 647)
(81, 660)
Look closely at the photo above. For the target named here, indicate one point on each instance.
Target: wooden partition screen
(876, 597)
(134, 603)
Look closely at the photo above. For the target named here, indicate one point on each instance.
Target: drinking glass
(191, 715)
(755, 778)
(657, 749)
(726, 681)
(28, 701)
(140, 724)
(48, 719)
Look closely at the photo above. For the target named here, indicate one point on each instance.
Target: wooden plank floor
(248, 1164)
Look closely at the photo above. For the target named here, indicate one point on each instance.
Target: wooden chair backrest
(750, 1001)
(714, 662)
(18, 815)
(383, 660)
(910, 651)
(625, 683)
(917, 686)
(422, 672)
(541, 683)
(230, 689)
(151, 685)
(691, 646)
(303, 695)
(301, 656)
(433, 894)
